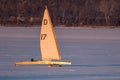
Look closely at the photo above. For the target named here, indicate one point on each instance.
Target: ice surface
(95, 54)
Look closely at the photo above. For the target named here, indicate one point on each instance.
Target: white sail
(48, 44)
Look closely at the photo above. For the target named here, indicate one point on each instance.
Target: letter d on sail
(45, 21)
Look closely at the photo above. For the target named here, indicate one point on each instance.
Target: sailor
(32, 59)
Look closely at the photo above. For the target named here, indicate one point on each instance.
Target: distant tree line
(63, 12)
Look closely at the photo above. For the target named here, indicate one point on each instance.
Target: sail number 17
(43, 36)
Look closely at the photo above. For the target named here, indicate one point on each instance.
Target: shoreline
(63, 26)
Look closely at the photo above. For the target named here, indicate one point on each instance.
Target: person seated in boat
(32, 59)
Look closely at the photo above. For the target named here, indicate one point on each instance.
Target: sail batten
(48, 43)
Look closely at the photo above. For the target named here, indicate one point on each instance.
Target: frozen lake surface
(94, 53)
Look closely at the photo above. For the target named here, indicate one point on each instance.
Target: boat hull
(43, 63)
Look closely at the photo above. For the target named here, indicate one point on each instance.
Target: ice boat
(48, 45)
